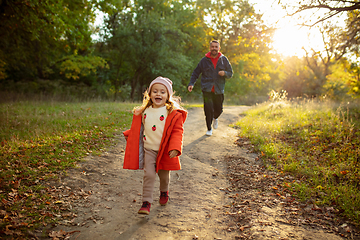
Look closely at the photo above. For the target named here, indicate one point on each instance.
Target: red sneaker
(164, 198)
(145, 208)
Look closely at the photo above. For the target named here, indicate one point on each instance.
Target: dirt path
(103, 199)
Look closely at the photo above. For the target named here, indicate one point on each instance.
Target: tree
(296, 77)
(354, 70)
(146, 39)
(36, 37)
(352, 37)
(339, 82)
(331, 7)
(326, 9)
(321, 61)
(338, 43)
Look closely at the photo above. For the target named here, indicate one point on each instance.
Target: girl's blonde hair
(173, 102)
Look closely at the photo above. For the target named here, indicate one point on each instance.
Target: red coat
(172, 139)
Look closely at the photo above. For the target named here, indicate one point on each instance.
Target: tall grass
(39, 141)
(317, 141)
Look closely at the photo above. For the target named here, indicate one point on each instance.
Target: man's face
(214, 48)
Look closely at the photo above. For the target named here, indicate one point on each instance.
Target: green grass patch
(319, 142)
(39, 141)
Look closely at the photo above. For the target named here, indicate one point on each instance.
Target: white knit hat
(164, 81)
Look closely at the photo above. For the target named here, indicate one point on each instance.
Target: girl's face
(158, 95)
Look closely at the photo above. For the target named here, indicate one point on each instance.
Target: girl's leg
(149, 175)
(164, 176)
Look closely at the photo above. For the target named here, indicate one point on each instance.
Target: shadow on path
(136, 226)
(194, 143)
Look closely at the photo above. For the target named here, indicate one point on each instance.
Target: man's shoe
(209, 132)
(145, 208)
(164, 198)
(215, 123)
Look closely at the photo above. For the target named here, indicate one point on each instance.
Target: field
(318, 142)
(39, 141)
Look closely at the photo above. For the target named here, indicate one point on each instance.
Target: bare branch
(340, 6)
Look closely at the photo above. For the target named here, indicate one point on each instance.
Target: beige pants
(150, 176)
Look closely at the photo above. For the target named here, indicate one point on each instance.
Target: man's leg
(208, 108)
(218, 100)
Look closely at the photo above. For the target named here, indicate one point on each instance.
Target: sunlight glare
(289, 38)
(289, 41)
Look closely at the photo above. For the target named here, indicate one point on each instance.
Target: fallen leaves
(255, 191)
(61, 234)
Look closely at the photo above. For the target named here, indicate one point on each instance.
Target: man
(214, 68)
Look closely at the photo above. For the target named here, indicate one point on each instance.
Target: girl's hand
(126, 138)
(173, 153)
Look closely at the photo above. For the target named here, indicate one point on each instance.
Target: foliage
(36, 35)
(75, 66)
(39, 141)
(156, 43)
(2, 70)
(318, 142)
(297, 79)
(338, 83)
(50, 90)
(338, 42)
(355, 82)
(140, 40)
(353, 34)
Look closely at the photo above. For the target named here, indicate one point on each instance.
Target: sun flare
(290, 40)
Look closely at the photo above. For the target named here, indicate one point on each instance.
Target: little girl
(154, 141)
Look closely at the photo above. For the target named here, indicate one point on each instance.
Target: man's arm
(228, 72)
(228, 69)
(194, 76)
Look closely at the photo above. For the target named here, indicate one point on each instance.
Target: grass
(317, 141)
(41, 140)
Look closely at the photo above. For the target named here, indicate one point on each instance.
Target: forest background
(48, 50)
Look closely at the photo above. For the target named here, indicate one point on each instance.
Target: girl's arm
(176, 139)
(173, 153)
(126, 134)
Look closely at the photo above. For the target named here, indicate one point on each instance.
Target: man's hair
(215, 41)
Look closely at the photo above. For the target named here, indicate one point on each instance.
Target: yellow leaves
(75, 66)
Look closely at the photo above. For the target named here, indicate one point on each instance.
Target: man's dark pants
(213, 106)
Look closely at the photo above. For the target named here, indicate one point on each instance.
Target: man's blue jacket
(210, 76)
